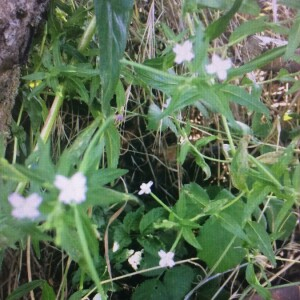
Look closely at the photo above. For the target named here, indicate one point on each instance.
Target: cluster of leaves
(222, 227)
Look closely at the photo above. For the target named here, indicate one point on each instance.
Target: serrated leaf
(260, 239)
(113, 17)
(104, 176)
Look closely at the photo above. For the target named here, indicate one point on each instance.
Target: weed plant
(149, 159)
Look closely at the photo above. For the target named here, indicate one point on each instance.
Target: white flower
(166, 259)
(116, 247)
(97, 297)
(72, 190)
(219, 67)
(184, 52)
(145, 188)
(135, 259)
(25, 207)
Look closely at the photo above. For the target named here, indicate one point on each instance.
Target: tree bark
(19, 20)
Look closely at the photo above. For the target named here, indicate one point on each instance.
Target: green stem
(179, 235)
(164, 206)
(87, 255)
(88, 34)
(228, 133)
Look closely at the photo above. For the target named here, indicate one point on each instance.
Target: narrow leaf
(112, 17)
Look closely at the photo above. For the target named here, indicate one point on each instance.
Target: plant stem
(228, 133)
(86, 254)
(164, 206)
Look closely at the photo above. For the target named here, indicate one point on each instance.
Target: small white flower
(145, 188)
(166, 259)
(183, 52)
(135, 259)
(72, 190)
(116, 247)
(97, 297)
(219, 67)
(25, 207)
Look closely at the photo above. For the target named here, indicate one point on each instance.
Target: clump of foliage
(85, 177)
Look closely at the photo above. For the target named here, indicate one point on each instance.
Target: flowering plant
(164, 174)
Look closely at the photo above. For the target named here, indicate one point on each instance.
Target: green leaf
(216, 28)
(189, 237)
(239, 166)
(248, 7)
(257, 62)
(157, 79)
(248, 28)
(113, 17)
(104, 196)
(260, 239)
(221, 249)
(239, 95)
(112, 145)
(104, 176)
(294, 39)
(176, 287)
(79, 88)
(48, 292)
(35, 76)
(151, 289)
(24, 289)
(155, 215)
(253, 281)
(192, 200)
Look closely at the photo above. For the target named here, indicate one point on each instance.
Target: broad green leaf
(294, 39)
(260, 239)
(257, 63)
(10, 172)
(239, 166)
(232, 226)
(113, 17)
(151, 289)
(216, 28)
(155, 215)
(248, 28)
(24, 289)
(192, 200)
(48, 292)
(176, 287)
(221, 249)
(239, 95)
(183, 152)
(132, 220)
